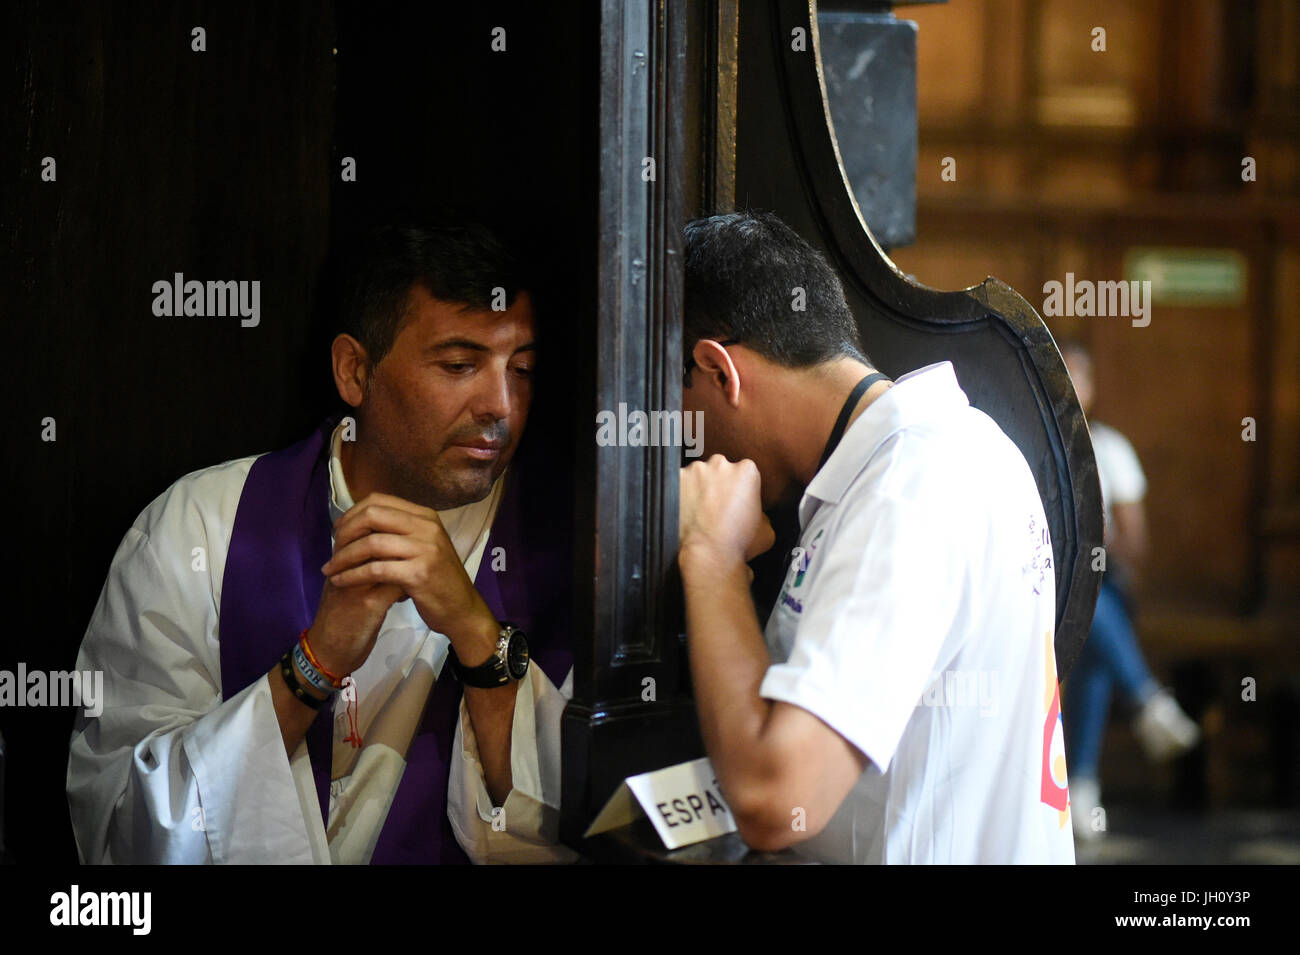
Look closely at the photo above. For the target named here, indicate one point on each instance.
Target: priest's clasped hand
(387, 542)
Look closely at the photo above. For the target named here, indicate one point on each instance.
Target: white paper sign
(683, 802)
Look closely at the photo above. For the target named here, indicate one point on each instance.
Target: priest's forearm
(492, 714)
(294, 716)
(491, 711)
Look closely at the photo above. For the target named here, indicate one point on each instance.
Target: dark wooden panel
(214, 164)
(631, 711)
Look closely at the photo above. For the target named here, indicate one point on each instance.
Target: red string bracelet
(350, 697)
(334, 678)
(346, 684)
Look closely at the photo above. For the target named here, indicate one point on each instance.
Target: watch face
(517, 655)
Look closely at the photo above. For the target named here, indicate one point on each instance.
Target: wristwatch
(509, 662)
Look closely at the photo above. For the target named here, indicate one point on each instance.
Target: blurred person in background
(1111, 656)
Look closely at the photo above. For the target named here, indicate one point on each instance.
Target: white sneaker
(1086, 813)
(1164, 729)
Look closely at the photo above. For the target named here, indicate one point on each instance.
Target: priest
(350, 650)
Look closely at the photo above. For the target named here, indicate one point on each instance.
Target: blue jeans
(1110, 657)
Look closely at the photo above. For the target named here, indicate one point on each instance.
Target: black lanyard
(849, 404)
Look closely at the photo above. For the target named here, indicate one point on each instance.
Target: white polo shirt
(916, 620)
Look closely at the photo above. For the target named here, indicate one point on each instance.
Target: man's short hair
(461, 263)
(743, 273)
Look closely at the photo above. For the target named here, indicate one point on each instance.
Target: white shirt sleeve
(882, 593)
(168, 772)
(525, 828)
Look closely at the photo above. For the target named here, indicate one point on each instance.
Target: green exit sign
(1182, 276)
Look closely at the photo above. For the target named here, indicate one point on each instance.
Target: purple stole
(272, 587)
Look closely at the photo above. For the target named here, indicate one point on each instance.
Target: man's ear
(714, 363)
(351, 369)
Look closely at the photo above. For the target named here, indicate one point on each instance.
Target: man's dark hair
(742, 272)
(460, 263)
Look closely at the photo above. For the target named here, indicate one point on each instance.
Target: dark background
(225, 164)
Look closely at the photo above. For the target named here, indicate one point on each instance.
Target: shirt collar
(918, 395)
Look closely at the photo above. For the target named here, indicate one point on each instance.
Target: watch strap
(493, 672)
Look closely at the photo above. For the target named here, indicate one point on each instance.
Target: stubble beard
(446, 488)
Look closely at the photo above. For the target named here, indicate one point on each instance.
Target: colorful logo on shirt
(797, 572)
(1055, 791)
(803, 569)
(805, 558)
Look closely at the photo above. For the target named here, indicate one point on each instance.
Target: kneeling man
(901, 704)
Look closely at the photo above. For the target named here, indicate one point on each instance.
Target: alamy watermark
(974, 689)
(1086, 298)
(208, 299)
(75, 907)
(653, 429)
(55, 688)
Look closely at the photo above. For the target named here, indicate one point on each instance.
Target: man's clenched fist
(721, 514)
